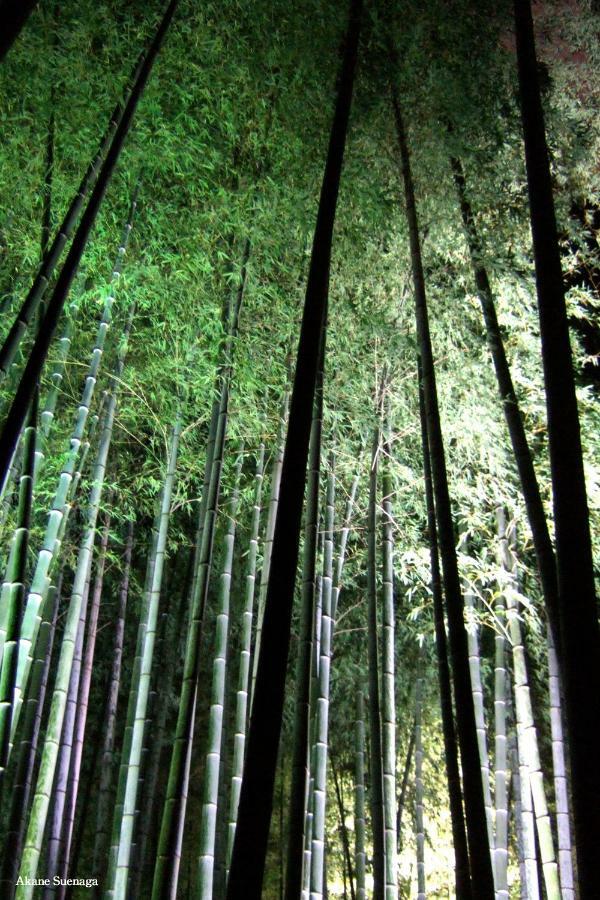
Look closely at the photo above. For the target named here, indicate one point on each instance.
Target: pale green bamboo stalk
(129, 716)
(322, 703)
(268, 540)
(561, 791)
(314, 686)
(241, 707)
(64, 348)
(419, 787)
(54, 842)
(500, 754)
(478, 702)
(524, 828)
(215, 725)
(531, 771)
(117, 884)
(13, 589)
(51, 544)
(166, 871)
(28, 746)
(359, 798)
(41, 800)
(108, 730)
(388, 693)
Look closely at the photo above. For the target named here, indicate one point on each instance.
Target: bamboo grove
(299, 504)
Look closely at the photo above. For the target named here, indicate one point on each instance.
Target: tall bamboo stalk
(478, 701)
(376, 767)
(419, 788)
(13, 590)
(301, 751)
(360, 853)
(117, 878)
(241, 706)
(65, 750)
(388, 689)
(529, 756)
(39, 812)
(321, 743)
(561, 790)
(51, 542)
(109, 726)
(578, 611)
(250, 845)
(459, 834)
(268, 538)
(480, 863)
(28, 745)
(215, 727)
(166, 872)
(525, 822)
(83, 700)
(500, 751)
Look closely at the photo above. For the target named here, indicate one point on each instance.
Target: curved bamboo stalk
(31, 374)
(51, 543)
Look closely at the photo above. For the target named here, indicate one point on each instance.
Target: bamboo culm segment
(241, 705)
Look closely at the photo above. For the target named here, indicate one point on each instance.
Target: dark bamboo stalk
(459, 834)
(480, 861)
(376, 767)
(578, 614)
(249, 850)
(13, 18)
